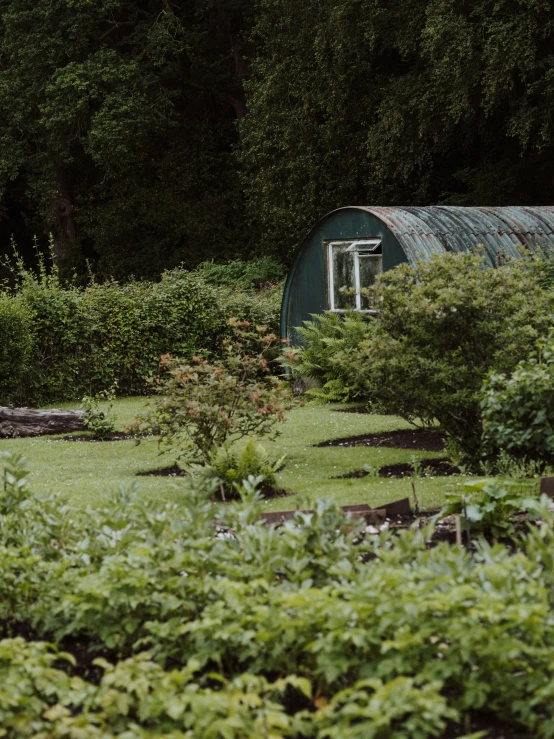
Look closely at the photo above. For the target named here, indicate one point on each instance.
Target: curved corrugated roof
(423, 231)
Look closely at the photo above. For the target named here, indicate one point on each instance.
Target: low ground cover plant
(489, 506)
(229, 465)
(309, 630)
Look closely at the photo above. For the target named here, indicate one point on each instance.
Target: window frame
(371, 246)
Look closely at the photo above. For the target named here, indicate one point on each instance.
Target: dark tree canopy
(117, 126)
(118, 119)
(397, 102)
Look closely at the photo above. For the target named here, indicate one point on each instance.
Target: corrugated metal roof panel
(423, 231)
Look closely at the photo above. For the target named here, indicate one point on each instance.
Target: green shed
(352, 245)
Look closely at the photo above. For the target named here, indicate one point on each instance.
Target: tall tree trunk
(66, 248)
(236, 97)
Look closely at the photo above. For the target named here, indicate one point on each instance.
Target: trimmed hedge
(63, 342)
(16, 342)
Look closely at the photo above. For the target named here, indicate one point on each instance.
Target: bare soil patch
(418, 439)
(114, 436)
(436, 467)
(268, 491)
(172, 471)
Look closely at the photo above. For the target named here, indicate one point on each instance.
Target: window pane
(370, 268)
(343, 276)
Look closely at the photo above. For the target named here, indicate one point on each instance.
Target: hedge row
(58, 343)
(305, 631)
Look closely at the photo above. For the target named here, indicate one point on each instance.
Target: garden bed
(113, 436)
(417, 439)
(437, 467)
(267, 491)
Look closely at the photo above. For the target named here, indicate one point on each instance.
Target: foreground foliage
(305, 631)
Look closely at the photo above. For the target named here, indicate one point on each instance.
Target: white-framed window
(354, 264)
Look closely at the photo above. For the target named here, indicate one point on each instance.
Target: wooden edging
(372, 515)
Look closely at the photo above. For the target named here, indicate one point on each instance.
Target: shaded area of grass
(88, 471)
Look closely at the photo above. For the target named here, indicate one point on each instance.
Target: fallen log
(16, 422)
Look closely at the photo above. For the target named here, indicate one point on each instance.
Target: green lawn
(88, 471)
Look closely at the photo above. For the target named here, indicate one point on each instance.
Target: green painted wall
(306, 289)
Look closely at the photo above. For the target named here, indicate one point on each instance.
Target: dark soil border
(173, 471)
(354, 409)
(114, 436)
(423, 440)
(268, 491)
(435, 467)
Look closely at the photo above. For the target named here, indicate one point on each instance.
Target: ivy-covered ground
(89, 471)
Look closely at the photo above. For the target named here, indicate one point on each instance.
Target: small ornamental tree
(204, 405)
(443, 326)
(518, 409)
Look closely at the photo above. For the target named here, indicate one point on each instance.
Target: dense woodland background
(147, 133)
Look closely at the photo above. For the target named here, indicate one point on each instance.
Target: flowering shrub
(204, 405)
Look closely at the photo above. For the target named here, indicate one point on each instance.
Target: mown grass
(88, 471)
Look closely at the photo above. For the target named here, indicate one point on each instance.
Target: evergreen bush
(443, 325)
(518, 409)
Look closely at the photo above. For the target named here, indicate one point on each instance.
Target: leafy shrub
(207, 404)
(518, 409)
(137, 699)
(100, 422)
(262, 307)
(243, 275)
(16, 345)
(330, 341)
(443, 326)
(490, 506)
(303, 631)
(228, 467)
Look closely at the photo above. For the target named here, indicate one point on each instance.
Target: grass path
(88, 471)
